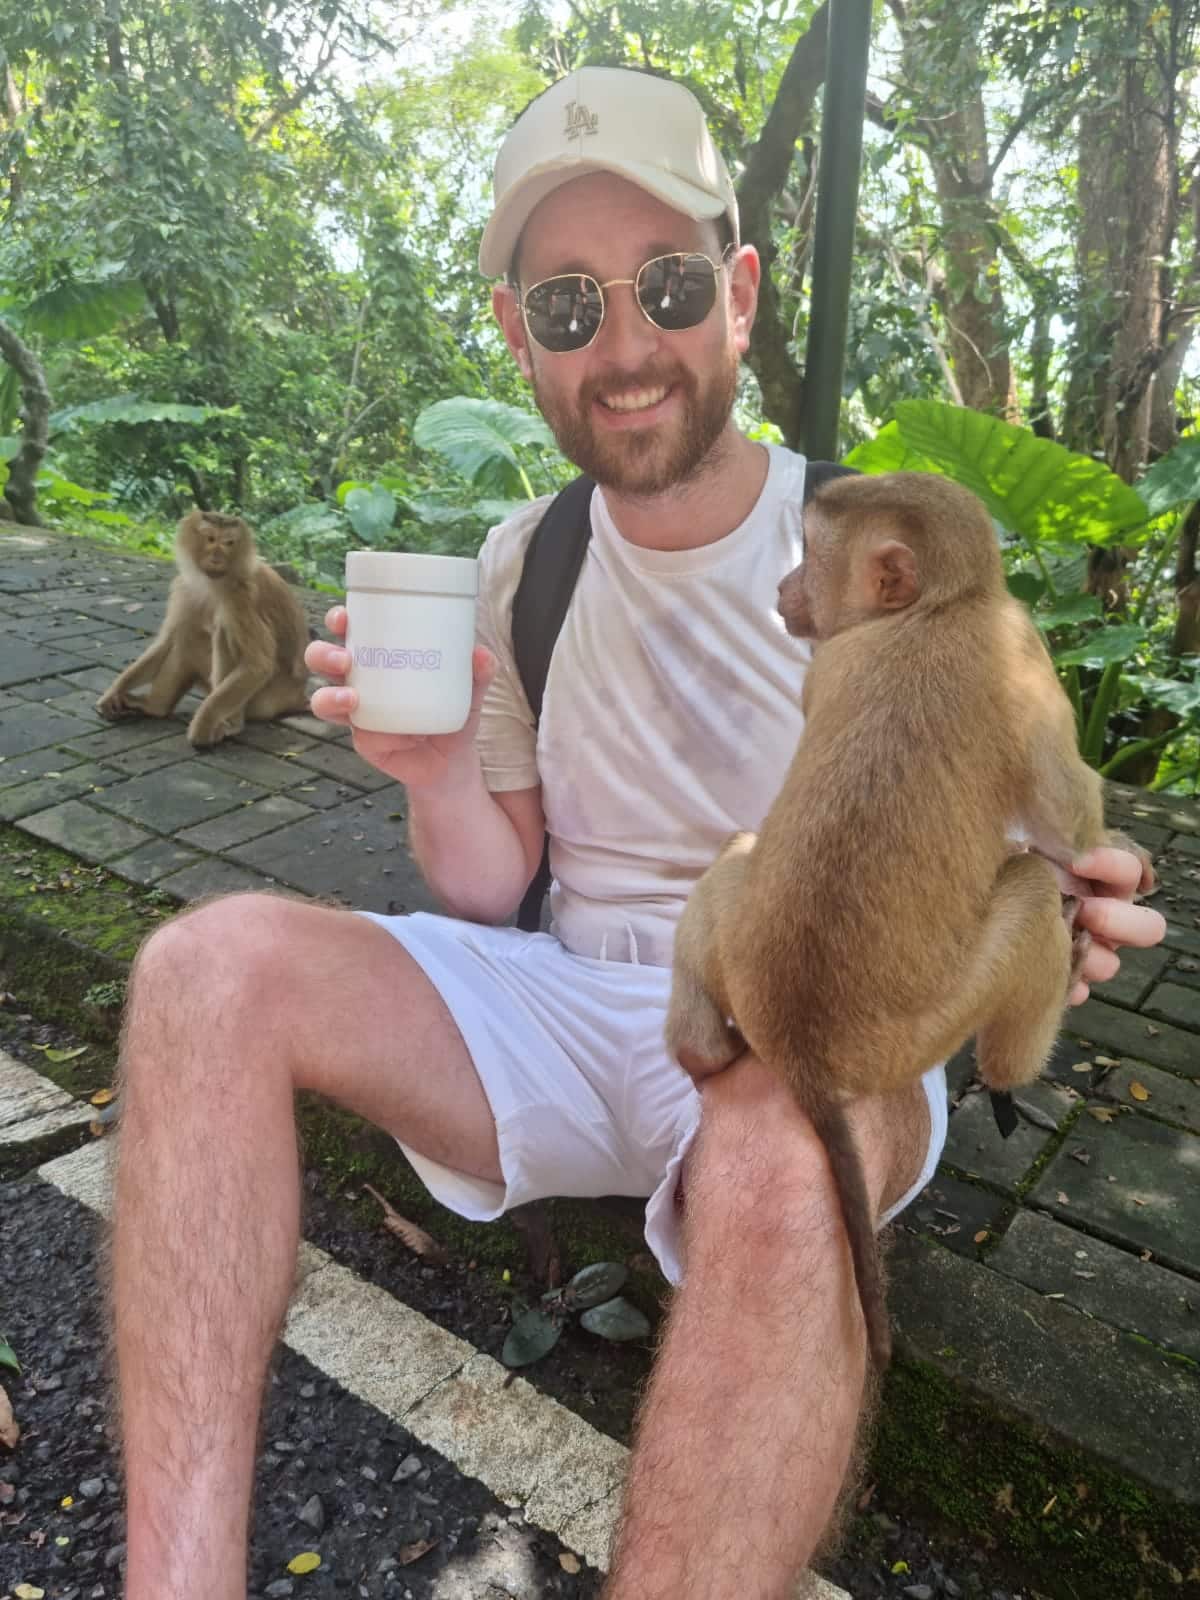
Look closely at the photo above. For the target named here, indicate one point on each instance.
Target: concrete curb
(525, 1447)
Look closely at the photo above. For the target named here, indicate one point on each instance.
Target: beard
(649, 461)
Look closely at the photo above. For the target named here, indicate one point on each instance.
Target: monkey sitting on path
(232, 625)
(883, 914)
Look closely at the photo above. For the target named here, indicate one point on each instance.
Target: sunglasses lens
(677, 292)
(564, 313)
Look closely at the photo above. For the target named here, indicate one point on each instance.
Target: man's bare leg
(750, 1419)
(231, 1008)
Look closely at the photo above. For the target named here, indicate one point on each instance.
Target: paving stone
(212, 876)
(974, 1143)
(1116, 1032)
(42, 793)
(313, 726)
(237, 827)
(1182, 934)
(1140, 969)
(32, 727)
(322, 856)
(119, 736)
(322, 793)
(84, 831)
(1068, 1056)
(1102, 1280)
(1171, 1098)
(257, 765)
(31, 1106)
(1063, 1373)
(150, 757)
(22, 659)
(150, 862)
(1175, 1002)
(341, 764)
(21, 769)
(178, 796)
(41, 689)
(1184, 844)
(274, 737)
(953, 1212)
(94, 678)
(79, 703)
(1139, 1189)
(1178, 883)
(1158, 809)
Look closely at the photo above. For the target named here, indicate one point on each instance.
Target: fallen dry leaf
(306, 1561)
(1004, 1498)
(1107, 1061)
(28, 1591)
(97, 1130)
(1136, 1201)
(408, 1553)
(1146, 1255)
(1050, 1505)
(570, 1562)
(1101, 1113)
(417, 1240)
(9, 1431)
(981, 1236)
(1062, 1198)
(1152, 1031)
(1082, 1066)
(103, 1096)
(1139, 1091)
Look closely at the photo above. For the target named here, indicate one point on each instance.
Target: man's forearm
(469, 852)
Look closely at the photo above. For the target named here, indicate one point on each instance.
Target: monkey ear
(892, 576)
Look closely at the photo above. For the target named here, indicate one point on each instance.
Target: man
(512, 1065)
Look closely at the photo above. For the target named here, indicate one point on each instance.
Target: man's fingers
(1118, 870)
(1100, 964)
(1118, 922)
(335, 620)
(334, 704)
(330, 660)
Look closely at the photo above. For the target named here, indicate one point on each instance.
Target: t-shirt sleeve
(507, 737)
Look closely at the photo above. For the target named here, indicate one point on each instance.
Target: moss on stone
(1043, 1507)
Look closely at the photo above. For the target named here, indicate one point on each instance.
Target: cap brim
(510, 216)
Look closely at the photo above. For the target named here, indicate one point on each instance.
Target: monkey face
(215, 542)
(849, 575)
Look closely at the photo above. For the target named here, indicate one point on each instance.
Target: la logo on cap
(580, 121)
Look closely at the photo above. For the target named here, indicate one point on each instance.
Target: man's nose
(627, 336)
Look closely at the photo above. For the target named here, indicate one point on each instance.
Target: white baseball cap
(606, 119)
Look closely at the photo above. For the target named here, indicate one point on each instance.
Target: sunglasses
(675, 292)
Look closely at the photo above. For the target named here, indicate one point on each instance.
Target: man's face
(639, 409)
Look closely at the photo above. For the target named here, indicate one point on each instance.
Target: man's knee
(213, 958)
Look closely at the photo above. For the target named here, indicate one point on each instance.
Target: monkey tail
(833, 1125)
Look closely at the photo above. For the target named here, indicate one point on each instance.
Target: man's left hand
(1110, 916)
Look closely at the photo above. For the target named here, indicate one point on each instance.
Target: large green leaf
(529, 1338)
(127, 408)
(616, 1319)
(1174, 478)
(480, 438)
(1182, 697)
(1068, 608)
(81, 310)
(371, 512)
(1033, 487)
(1104, 647)
(887, 452)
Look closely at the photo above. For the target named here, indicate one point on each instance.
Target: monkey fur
(887, 909)
(232, 625)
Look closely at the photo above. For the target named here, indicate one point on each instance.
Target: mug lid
(408, 572)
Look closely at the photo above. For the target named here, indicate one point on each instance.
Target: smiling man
(510, 1065)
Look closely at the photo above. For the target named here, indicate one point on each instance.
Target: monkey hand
(415, 760)
(1110, 876)
(113, 704)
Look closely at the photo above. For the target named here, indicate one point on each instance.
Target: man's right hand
(418, 761)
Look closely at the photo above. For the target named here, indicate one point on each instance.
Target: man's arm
(477, 851)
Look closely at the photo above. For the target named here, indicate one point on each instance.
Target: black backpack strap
(553, 561)
(817, 473)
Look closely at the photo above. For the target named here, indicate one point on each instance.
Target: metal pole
(837, 210)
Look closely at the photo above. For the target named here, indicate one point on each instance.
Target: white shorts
(571, 1056)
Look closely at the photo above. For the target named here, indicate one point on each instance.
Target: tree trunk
(21, 488)
(948, 98)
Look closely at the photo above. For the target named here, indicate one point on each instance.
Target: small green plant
(8, 1356)
(594, 1293)
(107, 995)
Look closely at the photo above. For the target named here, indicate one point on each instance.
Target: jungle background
(238, 269)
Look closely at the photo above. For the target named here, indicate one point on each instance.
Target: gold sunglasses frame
(612, 283)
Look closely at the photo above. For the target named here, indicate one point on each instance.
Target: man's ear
(892, 576)
(744, 272)
(507, 311)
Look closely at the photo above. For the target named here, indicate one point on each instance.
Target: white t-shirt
(671, 712)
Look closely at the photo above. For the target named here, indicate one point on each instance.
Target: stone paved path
(1065, 1278)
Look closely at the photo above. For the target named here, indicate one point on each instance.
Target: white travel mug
(410, 634)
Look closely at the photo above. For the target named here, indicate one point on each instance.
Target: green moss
(1041, 1507)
